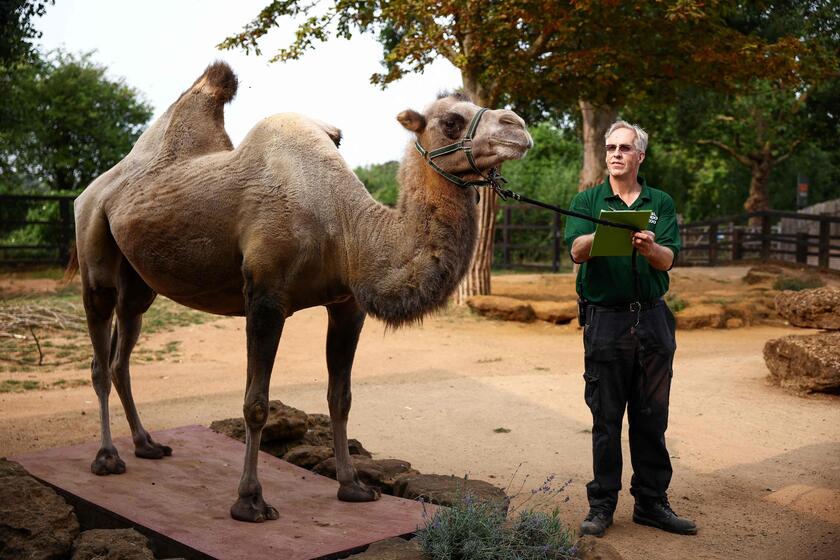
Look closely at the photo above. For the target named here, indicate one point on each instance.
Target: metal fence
(36, 228)
(40, 229)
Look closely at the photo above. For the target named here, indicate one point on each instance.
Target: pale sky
(159, 47)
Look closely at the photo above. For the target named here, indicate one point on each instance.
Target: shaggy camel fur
(278, 224)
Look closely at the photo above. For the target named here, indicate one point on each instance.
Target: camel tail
(72, 266)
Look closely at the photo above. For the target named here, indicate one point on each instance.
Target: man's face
(623, 159)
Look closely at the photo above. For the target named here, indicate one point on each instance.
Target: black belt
(631, 306)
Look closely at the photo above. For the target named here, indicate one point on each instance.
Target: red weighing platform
(182, 502)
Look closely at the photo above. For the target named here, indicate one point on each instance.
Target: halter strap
(492, 178)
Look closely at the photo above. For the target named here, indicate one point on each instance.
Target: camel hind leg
(133, 299)
(99, 260)
(345, 324)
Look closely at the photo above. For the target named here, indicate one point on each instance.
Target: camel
(276, 225)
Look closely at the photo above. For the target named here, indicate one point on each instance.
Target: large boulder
(112, 544)
(503, 308)
(392, 549)
(818, 308)
(447, 490)
(805, 362)
(378, 473)
(35, 522)
(700, 316)
(763, 274)
(558, 312)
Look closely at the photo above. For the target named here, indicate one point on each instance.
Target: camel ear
(412, 120)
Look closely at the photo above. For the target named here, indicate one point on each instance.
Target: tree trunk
(758, 199)
(477, 280)
(596, 121)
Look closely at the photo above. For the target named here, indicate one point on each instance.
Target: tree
(71, 124)
(380, 179)
(17, 30)
(542, 57)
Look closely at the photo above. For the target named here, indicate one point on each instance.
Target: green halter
(492, 178)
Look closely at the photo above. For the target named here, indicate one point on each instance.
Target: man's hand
(644, 243)
(659, 257)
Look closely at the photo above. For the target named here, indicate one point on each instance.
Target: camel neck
(410, 259)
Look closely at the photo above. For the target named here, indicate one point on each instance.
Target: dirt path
(757, 468)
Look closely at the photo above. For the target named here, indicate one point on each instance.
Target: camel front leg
(264, 325)
(346, 321)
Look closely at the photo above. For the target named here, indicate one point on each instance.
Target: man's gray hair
(641, 141)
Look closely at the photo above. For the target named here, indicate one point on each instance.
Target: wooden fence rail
(40, 229)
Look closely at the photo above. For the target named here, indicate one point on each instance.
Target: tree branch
(742, 159)
(786, 155)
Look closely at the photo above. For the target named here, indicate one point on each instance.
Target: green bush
(478, 530)
(798, 283)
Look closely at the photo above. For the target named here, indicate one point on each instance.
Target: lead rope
(505, 194)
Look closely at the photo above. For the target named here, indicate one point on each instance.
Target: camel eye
(452, 124)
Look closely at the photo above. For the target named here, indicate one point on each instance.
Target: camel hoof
(357, 492)
(152, 450)
(107, 462)
(253, 509)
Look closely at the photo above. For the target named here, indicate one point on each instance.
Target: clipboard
(616, 242)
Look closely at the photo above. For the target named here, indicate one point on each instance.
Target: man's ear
(641, 157)
(412, 120)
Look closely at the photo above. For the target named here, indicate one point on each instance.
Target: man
(628, 339)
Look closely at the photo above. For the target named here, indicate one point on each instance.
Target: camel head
(490, 136)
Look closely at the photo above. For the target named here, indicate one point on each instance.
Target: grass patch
(502, 430)
(675, 303)
(45, 331)
(476, 530)
(18, 386)
(798, 283)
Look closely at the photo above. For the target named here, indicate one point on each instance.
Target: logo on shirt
(653, 218)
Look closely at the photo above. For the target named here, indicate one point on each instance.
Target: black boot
(596, 522)
(657, 512)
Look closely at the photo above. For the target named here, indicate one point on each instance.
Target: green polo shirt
(609, 280)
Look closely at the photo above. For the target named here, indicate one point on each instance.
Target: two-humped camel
(276, 225)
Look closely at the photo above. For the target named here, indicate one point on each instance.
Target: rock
(734, 323)
(112, 544)
(356, 448)
(805, 362)
(393, 549)
(558, 312)
(319, 420)
(35, 522)
(284, 424)
(503, 308)
(308, 456)
(762, 274)
(704, 315)
(447, 490)
(231, 427)
(593, 548)
(318, 435)
(818, 308)
(379, 473)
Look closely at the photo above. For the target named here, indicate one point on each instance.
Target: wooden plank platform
(185, 499)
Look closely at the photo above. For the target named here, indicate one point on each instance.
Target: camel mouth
(519, 148)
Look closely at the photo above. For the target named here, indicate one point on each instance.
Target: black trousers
(628, 366)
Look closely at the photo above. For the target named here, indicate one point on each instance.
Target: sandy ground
(757, 468)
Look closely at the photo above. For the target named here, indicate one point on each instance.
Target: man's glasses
(623, 148)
